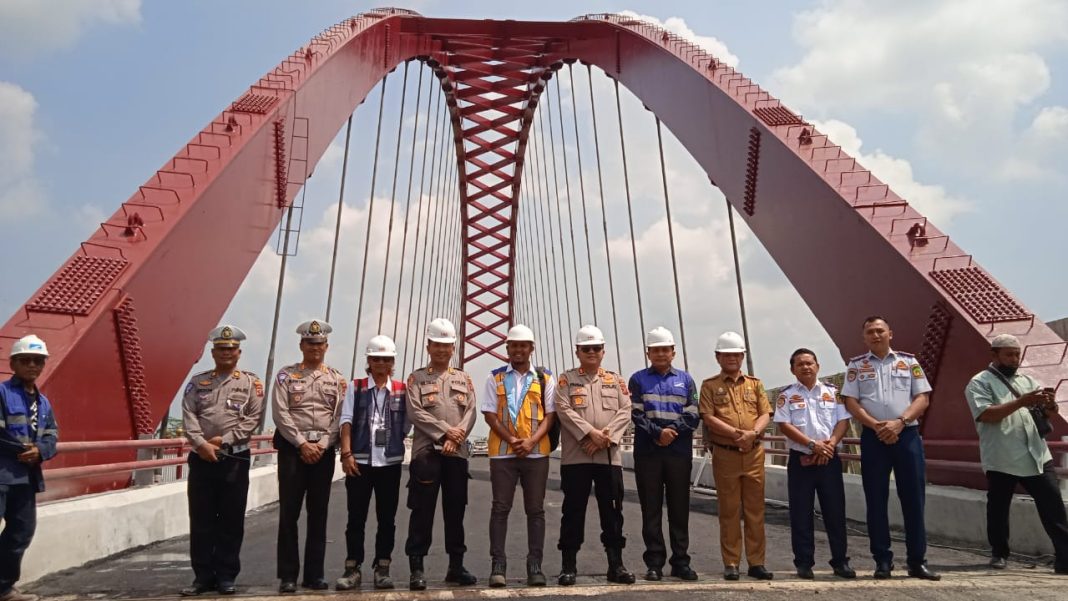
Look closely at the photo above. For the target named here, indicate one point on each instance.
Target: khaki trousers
(740, 489)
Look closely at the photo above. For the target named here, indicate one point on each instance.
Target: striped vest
(531, 414)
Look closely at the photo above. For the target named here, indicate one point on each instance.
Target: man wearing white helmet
(374, 424)
(664, 411)
(28, 436)
(519, 406)
(1013, 450)
(593, 405)
(221, 408)
(735, 411)
(441, 406)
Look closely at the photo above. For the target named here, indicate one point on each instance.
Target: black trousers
(1044, 489)
(657, 475)
(804, 484)
(217, 494)
(607, 482)
(296, 480)
(428, 473)
(384, 483)
(18, 507)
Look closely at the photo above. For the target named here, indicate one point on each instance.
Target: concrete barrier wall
(953, 513)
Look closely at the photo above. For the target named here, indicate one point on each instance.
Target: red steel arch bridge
(121, 324)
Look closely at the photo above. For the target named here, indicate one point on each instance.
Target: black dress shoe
(730, 573)
(684, 572)
(654, 575)
(845, 571)
(922, 572)
(566, 578)
(460, 576)
(760, 573)
(227, 587)
(287, 587)
(806, 573)
(998, 563)
(196, 588)
(882, 570)
(316, 585)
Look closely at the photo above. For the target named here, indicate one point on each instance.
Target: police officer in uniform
(443, 408)
(886, 391)
(220, 410)
(593, 406)
(735, 410)
(28, 437)
(814, 422)
(307, 402)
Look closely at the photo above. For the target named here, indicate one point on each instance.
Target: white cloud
(20, 192)
(29, 27)
(677, 25)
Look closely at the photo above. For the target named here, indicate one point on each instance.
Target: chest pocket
(721, 399)
(430, 395)
(609, 398)
(205, 398)
(901, 380)
(236, 400)
(579, 397)
(458, 392)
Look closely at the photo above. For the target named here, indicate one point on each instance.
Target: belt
(313, 435)
(728, 447)
(239, 448)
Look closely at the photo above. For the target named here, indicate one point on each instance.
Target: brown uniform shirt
(437, 402)
(222, 405)
(586, 402)
(738, 403)
(307, 403)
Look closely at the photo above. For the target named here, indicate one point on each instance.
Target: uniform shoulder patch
(917, 371)
(282, 376)
(851, 374)
(781, 401)
(258, 385)
(189, 387)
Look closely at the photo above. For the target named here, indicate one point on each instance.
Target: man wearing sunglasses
(28, 436)
(593, 405)
(374, 424)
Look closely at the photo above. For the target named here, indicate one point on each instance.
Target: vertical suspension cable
(671, 243)
(559, 267)
(410, 343)
(582, 190)
(367, 234)
(393, 199)
(567, 190)
(741, 295)
(630, 219)
(552, 274)
(408, 201)
(445, 195)
(433, 229)
(533, 282)
(559, 208)
(536, 235)
(604, 220)
(337, 226)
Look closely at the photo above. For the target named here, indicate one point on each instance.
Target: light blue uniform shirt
(815, 412)
(885, 387)
(1011, 446)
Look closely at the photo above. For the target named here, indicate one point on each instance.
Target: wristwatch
(811, 444)
(904, 420)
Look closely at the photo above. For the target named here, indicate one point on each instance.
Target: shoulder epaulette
(904, 354)
(858, 357)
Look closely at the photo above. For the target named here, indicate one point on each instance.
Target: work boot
(457, 573)
(616, 572)
(417, 580)
(535, 577)
(568, 568)
(497, 577)
(351, 578)
(381, 571)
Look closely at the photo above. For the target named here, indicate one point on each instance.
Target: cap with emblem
(441, 330)
(659, 337)
(520, 333)
(730, 342)
(1005, 341)
(315, 330)
(381, 346)
(226, 336)
(589, 335)
(29, 345)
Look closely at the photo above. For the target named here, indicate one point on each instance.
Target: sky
(962, 111)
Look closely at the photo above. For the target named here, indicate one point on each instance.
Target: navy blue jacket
(396, 421)
(15, 433)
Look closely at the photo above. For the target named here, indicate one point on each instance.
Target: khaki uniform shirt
(586, 402)
(437, 402)
(736, 402)
(222, 405)
(307, 403)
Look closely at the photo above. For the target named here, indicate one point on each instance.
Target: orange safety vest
(531, 414)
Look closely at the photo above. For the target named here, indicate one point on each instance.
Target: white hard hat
(659, 337)
(520, 333)
(589, 335)
(730, 342)
(29, 345)
(381, 346)
(441, 330)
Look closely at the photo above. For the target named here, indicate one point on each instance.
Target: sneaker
(350, 579)
(381, 573)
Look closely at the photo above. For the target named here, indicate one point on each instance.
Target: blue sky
(964, 112)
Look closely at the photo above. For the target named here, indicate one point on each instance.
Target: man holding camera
(1010, 409)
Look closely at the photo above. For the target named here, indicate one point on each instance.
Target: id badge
(381, 434)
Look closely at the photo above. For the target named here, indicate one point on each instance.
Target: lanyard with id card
(381, 433)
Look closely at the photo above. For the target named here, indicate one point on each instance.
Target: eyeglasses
(33, 360)
(380, 359)
(591, 349)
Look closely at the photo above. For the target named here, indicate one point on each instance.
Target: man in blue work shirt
(886, 391)
(814, 422)
(28, 436)
(664, 411)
